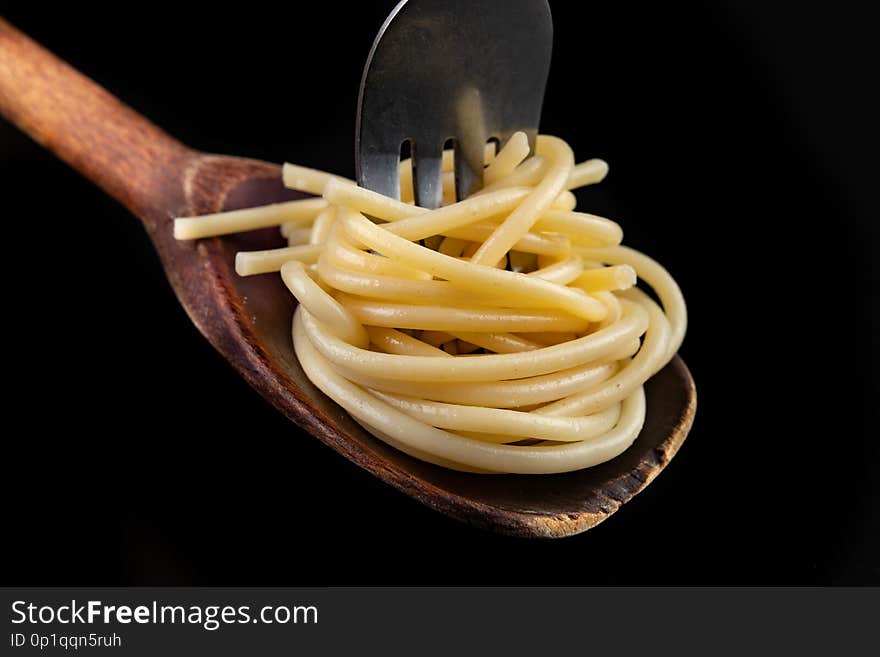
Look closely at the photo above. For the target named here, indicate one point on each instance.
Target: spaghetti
(500, 334)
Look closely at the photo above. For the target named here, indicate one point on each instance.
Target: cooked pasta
(503, 333)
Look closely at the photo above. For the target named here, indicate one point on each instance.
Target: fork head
(466, 70)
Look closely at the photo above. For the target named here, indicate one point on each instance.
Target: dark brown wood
(248, 319)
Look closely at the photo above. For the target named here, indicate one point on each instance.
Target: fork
(470, 71)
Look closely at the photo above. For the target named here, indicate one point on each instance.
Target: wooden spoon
(248, 319)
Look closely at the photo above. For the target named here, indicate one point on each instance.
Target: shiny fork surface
(467, 70)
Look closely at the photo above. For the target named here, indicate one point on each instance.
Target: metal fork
(467, 70)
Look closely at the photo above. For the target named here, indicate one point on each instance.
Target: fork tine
(427, 162)
(378, 171)
(469, 158)
(532, 135)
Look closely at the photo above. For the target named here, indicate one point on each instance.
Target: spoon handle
(108, 142)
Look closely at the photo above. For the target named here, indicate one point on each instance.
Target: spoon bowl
(522, 505)
(248, 319)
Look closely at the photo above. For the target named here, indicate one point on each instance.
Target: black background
(742, 139)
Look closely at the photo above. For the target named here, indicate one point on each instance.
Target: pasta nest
(503, 333)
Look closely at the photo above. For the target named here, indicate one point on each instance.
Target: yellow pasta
(503, 333)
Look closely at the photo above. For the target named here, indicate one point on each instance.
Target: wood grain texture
(248, 319)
